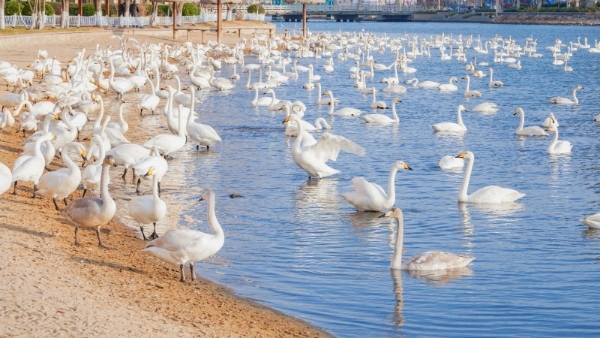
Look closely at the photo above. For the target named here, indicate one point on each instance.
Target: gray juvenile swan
(93, 211)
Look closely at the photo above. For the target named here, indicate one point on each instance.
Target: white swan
(62, 182)
(203, 134)
(149, 101)
(377, 104)
(189, 246)
(450, 86)
(369, 196)
(564, 100)
(154, 160)
(557, 147)
(326, 100)
(426, 261)
(92, 211)
(528, 131)
(452, 127)
(291, 129)
(263, 101)
(550, 121)
(468, 92)
(313, 158)
(119, 85)
(492, 83)
(486, 108)
(5, 178)
(127, 155)
(383, 119)
(148, 208)
(29, 168)
(516, 66)
(592, 221)
(450, 162)
(90, 178)
(345, 112)
(392, 87)
(425, 84)
(169, 143)
(488, 194)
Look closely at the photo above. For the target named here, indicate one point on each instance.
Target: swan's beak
(286, 120)
(201, 199)
(461, 155)
(407, 167)
(83, 153)
(515, 113)
(382, 215)
(549, 128)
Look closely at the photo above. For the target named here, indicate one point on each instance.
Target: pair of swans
(426, 261)
(185, 246)
(313, 157)
(383, 119)
(528, 131)
(564, 100)
(368, 196)
(490, 194)
(557, 147)
(452, 127)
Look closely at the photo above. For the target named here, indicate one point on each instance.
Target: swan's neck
(491, 75)
(575, 99)
(331, 105)
(212, 217)
(37, 149)
(397, 255)
(468, 84)
(554, 140)
(374, 95)
(522, 121)
(298, 144)
(391, 195)
(69, 162)
(460, 120)
(462, 194)
(394, 114)
(155, 187)
(250, 77)
(104, 179)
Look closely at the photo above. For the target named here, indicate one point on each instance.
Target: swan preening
(488, 194)
(368, 196)
(189, 246)
(426, 261)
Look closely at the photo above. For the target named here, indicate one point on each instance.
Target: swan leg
(15, 188)
(192, 271)
(154, 235)
(34, 191)
(137, 186)
(158, 188)
(182, 278)
(124, 173)
(141, 110)
(142, 231)
(65, 200)
(84, 191)
(55, 205)
(76, 238)
(100, 240)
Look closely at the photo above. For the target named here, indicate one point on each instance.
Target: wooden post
(304, 21)
(219, 21)
(174, 20)
(80, 7)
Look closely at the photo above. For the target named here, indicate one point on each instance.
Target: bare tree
(2, 3)
(154, 14)
(230, 8)
(38, 13)
(64, 15)
(98, 7)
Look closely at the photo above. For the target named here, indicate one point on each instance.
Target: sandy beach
(53, 288)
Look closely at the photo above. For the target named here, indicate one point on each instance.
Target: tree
(154, 14)
(64, 16)
(230, 8)
(2, 2)
(98, 6)
(38, 13)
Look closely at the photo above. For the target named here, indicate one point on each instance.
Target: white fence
(87, 21)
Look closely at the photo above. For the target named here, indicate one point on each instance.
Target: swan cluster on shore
(57, 110)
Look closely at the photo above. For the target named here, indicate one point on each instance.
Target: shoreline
(54, 288)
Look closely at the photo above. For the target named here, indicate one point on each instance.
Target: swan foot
(76, 237)
(15, 189)
(65, 200)
(124, 173)
(55, 205)
(154, 234)
(100, 244)
(34, 191)
(84, 191)
(137, 186)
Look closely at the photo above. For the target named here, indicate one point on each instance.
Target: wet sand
(53, 288)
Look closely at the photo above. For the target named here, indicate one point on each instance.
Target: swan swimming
(368, 196)
(557, 147)
(452, 127)
(488, 194)
(528, 131)
(426, 261)
(564, 100)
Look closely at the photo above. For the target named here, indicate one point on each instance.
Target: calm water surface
(297, 246)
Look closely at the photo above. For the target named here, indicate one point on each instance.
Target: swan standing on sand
(148, 208)
(369, 196)
(564, 100)
(29, 168)
(557, 147)
(426, 261)
(451, 127)
(93, 211)
(346, 112)
(468, 92)
(203, 134)
(528, 131)
(62, 182)
(190, 246)
(383, 119)
(5, 178)
(313, 158)
(488, 194)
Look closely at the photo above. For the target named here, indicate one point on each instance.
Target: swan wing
(532, 131)
(495, 194)
(437, 260)
(175, 240)
(364, 187)
(329, 145)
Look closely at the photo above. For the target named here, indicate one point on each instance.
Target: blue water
(297, 246)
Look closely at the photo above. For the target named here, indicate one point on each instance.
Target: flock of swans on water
(54, 102)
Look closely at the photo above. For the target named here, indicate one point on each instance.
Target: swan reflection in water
(436, 278)
(319, 194)
(494, 209)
